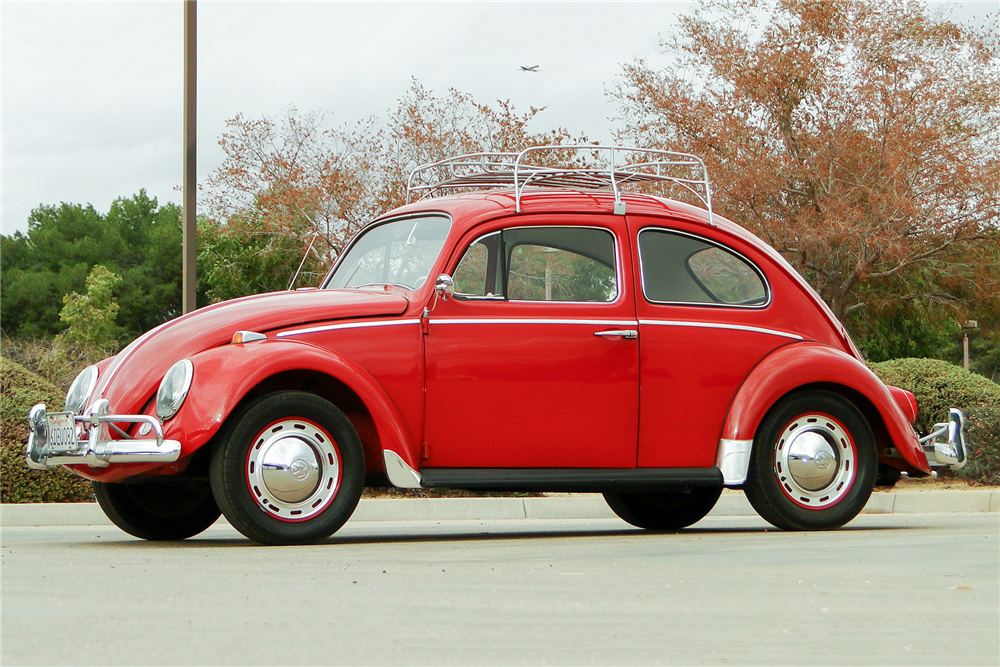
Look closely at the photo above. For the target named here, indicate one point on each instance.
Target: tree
(287, 180)
(91, 316)
(137, 239)
(856, 137)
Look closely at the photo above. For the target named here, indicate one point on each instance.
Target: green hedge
(938, 386)
(19, 390)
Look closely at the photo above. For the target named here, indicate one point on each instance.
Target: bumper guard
(97, 448)
(952, 452)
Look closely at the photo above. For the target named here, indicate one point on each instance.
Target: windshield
(400, 253)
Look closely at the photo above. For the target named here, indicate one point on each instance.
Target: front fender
(800, 364)
(223, 377)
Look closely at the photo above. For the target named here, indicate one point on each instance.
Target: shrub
(20, 390)
(53, 359)
(938, 386)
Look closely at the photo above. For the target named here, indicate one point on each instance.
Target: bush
(53, 359)
(938, 386)
(20, 390)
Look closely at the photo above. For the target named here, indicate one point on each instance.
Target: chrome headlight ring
(174, 389)
(81, 390)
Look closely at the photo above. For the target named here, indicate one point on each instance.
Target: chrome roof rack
(588, 168)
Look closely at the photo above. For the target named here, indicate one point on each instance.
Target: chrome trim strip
(733, 459)
(400, 474)
(716, 325)
(525, 320)
(349, 325)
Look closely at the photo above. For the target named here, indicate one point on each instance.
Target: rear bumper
(945, 445)
(93, 445)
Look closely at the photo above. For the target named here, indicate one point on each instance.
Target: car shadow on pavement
(496, 534)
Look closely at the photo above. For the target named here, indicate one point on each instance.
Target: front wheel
(159, 510)
(665, 510)
(288, 469)
(814, 463)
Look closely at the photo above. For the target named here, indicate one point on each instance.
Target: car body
(525, 339)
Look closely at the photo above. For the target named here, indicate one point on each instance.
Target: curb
(576, 506)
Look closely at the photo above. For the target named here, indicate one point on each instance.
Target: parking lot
(887, 589)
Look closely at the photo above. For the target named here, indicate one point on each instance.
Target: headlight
(174, 389)
(80, 391)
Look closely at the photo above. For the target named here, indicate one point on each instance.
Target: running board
(578, 480)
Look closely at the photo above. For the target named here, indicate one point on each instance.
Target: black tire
(813, 464)
(288, 468)
(159, 510)
(665, 510)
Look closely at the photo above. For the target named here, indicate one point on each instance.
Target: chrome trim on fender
(400, 474)
(716, 325)
(98, 450)
(349, 325)
(733, 459)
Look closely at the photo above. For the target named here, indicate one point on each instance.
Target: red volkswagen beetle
(541, 330)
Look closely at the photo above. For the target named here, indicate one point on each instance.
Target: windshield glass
(400, 253)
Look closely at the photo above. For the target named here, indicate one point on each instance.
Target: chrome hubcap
(293, 469)
(815, 461)
(290, 469)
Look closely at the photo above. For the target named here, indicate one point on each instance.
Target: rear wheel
(665, 510)
(159, 510)
(288, 469)
(813, 464)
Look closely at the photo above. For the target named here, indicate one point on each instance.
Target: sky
(91, 93)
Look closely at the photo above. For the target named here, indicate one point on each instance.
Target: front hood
(136, 372)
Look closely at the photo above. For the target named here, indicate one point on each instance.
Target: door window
(569, 264)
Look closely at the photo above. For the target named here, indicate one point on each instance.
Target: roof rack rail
(590, 168)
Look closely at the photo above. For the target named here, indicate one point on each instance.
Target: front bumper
(951, 452)
(93, 445)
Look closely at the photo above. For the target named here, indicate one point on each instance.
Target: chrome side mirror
(444, 287)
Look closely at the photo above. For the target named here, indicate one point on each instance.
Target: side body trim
(733, 460)
(348, 325)
(715, 325)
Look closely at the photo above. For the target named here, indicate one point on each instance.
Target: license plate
(61, 432)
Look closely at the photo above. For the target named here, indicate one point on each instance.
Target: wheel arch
(228, 377)
(805, 366)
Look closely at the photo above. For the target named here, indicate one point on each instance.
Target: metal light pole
(190, 228)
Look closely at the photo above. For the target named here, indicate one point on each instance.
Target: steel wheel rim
(293, 469)
(815, 461)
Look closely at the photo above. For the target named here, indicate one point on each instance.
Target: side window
(540, 264)
(560, 264)
(677, 268)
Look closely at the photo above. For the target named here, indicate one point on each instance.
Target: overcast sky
(92, 92)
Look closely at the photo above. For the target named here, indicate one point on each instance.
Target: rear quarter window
(681, 268)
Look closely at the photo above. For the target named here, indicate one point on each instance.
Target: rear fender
(224, 376)
(800, 365)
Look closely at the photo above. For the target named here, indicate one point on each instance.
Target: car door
(704, 310)
(535, 362)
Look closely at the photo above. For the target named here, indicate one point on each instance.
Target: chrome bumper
(97, 448)
(951, 452)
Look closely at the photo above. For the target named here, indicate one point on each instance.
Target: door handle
(618, 333)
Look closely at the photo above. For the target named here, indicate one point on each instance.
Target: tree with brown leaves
(858, 137)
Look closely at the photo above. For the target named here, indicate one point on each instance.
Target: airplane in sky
(532, 68)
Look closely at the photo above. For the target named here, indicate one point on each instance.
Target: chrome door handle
(618, 333)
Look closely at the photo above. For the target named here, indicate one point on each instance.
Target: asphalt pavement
(889, 588)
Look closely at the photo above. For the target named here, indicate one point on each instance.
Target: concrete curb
(577, 506)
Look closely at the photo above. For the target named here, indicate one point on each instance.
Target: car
(524, 324)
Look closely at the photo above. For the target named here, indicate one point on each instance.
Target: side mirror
(444, 286)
